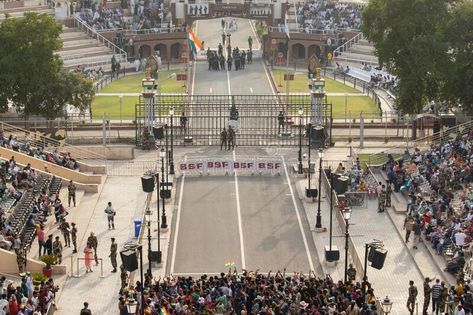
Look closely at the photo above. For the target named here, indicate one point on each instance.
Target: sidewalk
(365, 225)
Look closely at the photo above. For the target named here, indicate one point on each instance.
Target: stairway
(79, 49)
(357, 51)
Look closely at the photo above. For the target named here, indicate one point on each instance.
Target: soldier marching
(113, 254)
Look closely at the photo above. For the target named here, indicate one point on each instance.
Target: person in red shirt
(41, 240)
(13, 306)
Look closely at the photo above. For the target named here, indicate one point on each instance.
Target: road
(252, 221)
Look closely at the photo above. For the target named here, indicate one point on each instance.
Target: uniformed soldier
(427, 291)
(223, 139)
(71, 189)
(382, 199)
(57, 249)
(220, 49)
(231, 138)
(443, 298)
(280, 121)
(351, 273)
(92, 242)
(66, 232)
(21, 260)
(389, 191)
(123, 276)
(224, 37)
(250, 42)
(74, 237)
(222, 62)
(229, 63)
(243, 59)
(113, 254)
(411, 300)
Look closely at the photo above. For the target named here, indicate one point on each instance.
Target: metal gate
(256, 124)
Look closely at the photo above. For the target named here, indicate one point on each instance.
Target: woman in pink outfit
(88, 258)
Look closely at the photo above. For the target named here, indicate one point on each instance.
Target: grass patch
(110, 105)
(300, 84)
(132, 83)
(355, 105)
(376, 159)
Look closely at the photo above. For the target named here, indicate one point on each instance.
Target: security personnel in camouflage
(21, 260)
(123, 276)
(427, 291)
(382, 199)
(351, 273)
(74, 237)
(389, 191)
(113, 254)
(57, 249)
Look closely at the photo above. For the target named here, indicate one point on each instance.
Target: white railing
(100, 39)
(354, 40)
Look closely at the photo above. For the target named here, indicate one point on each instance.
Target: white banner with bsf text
(226, 166)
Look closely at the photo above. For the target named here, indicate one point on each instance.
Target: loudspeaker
(377, 256)
(311, 193)
(340, 184)
(147, 182)
(155, 256)
(165, 193)
(332, 254)
(158, 132)
(129, 260)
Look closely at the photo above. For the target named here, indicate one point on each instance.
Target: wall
(54, 169)
(114, 152)
(9, 265)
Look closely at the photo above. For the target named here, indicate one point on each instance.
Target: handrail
(36, 139)
(312, 31)
(91, 32)
(349, 43)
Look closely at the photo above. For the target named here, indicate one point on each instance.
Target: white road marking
(240, 229)
(178, 219)
(251, 90)
(228, 83)
(304, 239)
(210, 90)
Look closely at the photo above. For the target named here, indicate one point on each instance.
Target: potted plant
(49, 260)
(38, 278)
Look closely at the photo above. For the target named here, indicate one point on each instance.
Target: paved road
(250, 220)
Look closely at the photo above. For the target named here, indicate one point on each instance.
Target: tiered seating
(55, 185)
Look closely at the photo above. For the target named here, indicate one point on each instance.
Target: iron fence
(256, 124)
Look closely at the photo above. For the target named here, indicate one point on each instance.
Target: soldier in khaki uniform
(92, 242)
(74, 237)
(71, 189)
(409, 226)
(57, 249)
(351, 273)
(21, 260)
(389, 191)
(123, 276)
(382, 199)
(113, 254)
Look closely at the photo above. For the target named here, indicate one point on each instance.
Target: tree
(28, 61)
(458, 72)
(408, 36)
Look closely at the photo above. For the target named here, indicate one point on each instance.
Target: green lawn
(355, 105)
(300, 84)
(132, 83)
(110, 105)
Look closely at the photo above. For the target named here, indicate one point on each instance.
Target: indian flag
(194, 42)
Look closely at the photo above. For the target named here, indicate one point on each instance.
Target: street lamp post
(318, 223)
(171, 157)
(346, 216)
(157, 212)
(140, 249)
(331, 204)
(387, 305)
(148, 219)
(308, 156)
(164, 224)
(299, 168)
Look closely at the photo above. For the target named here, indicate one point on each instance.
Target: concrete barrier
(113, 152)
(54, 169)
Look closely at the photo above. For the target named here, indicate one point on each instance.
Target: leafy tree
(408, 36)
(458, 73)
(28, 61)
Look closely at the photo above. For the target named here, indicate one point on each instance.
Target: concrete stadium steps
(357, 58)
(362, 50)
(79, 49)
(19, 12)
(78, 44)
(85, 51)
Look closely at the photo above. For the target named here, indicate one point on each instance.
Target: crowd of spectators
(250, 293)
(328, 15)
(90, 73)
(440, 196)
(60, 158)
(26, 298)
(142, 15)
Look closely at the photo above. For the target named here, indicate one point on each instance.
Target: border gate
(253, 117)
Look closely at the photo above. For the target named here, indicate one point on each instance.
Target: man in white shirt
(460, 238)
